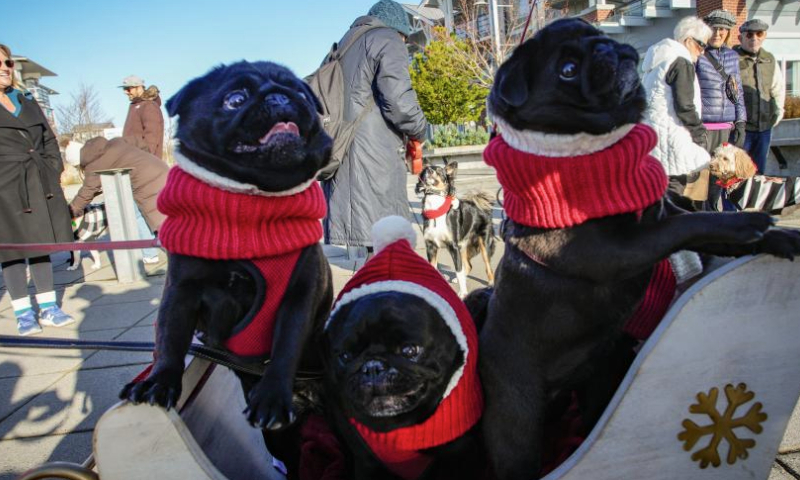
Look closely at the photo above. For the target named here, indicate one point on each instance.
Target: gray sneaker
(54, 317)
(27, 324)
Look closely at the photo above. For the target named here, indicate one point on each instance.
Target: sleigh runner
(709, 395)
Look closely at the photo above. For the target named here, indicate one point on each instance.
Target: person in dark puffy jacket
(723, 113)
(371, 182)
(724, 118)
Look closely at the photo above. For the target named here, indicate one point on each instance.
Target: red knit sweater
(270, 231)
(207, 222)
(548, 192)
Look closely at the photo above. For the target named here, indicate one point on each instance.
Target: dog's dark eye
(234, 100)
(345, 357)
(411, 352)
(569, 70)
(302, 95)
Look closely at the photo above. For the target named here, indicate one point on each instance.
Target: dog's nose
(276, 100)
(373, 367)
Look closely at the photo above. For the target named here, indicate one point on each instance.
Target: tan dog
(731, 162)
(747, 191)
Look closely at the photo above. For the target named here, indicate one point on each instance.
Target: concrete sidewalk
(51, 400)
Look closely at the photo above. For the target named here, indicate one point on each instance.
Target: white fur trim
(218, 181)
(390, 229)
(685, 265)
(555, 145)
(434, 300)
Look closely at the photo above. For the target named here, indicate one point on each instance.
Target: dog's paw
(72, 268)
(269, 405)
(747, 227)
(96, 266)
(158, 389)
(780, 242)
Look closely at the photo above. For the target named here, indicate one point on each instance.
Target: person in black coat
(32, 205)
(371, 182)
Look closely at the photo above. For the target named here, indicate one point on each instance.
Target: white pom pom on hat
(390, 229)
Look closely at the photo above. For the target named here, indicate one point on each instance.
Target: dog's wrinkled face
(436, 180)
(253, 123)
(730, 162)
(389, 359)
(569, 78)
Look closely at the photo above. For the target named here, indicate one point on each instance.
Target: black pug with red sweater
(589, 232)
(401, 373)
(243, 207)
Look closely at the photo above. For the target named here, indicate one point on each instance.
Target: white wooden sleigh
(709, 396)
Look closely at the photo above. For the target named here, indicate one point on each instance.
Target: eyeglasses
(9, 63)
(755, 34)
(703, 45)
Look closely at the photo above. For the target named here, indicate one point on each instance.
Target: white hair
(692, 27)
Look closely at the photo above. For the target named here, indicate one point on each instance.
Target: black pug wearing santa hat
(242, 231)
(400, 352)
(589, 235)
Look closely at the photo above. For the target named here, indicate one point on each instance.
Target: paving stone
(17, 456)
(791, 440)
(81, 398)
(791, 462)
(107, 358)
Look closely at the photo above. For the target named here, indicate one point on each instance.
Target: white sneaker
(151, 260)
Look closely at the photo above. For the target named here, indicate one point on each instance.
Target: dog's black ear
(510, 83)
(177, 103)
(451, 168)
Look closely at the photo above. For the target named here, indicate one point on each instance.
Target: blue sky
(168, 42)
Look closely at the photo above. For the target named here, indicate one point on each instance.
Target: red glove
(414, 156)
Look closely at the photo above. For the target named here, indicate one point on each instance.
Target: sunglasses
(700, 43)
(755, 34)
(9, 63)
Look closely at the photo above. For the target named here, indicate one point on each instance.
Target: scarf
(558, 192)
(208, 222)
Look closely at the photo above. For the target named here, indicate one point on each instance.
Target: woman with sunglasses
(673, 98)
(32, 205)
(724, 113)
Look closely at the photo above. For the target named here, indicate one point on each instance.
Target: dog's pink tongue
(280, 127)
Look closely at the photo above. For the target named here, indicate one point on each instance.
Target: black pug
(246, 271)
(588, 226)
(401, 378)
(462, 225)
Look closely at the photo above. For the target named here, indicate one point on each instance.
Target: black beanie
(391, 14)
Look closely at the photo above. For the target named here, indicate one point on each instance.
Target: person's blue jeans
(144, 234)
(757, 145)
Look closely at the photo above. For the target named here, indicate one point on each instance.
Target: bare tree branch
(84, 110)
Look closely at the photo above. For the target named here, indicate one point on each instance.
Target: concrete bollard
(121, 215)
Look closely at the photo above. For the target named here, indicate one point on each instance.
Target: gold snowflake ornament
(722, 425)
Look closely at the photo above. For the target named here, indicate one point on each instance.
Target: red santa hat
(396, 267)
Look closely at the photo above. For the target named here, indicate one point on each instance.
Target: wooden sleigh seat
(708, 397)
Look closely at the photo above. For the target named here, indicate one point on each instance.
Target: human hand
(738, 134)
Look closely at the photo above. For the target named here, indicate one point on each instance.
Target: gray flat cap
(721, 19)
(754, 25)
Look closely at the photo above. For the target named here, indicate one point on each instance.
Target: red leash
(70, 246)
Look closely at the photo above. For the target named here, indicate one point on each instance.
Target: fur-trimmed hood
(152, 93)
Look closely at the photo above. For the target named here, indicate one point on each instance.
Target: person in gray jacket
(371, 182)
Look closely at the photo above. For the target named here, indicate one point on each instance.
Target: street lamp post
(494, 25)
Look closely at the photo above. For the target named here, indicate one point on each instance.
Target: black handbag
(731, 88)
